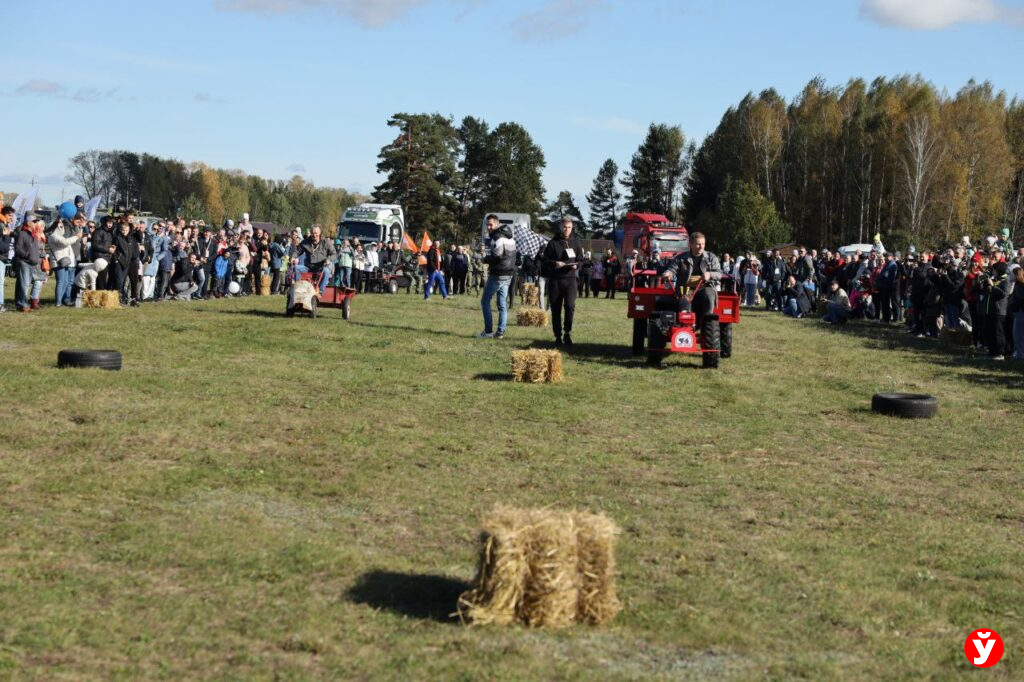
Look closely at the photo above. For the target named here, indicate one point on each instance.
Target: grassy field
(257, 497)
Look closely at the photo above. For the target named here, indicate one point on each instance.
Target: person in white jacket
(85, 280)
(62, 239)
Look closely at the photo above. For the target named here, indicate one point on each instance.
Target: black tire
(100, 359)
(346, 308)
(392, 286)
(725, 338)
(908, 405)
(710, 340)
(639, 335)
(656, 343)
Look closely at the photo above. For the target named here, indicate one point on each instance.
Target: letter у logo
(983, 648)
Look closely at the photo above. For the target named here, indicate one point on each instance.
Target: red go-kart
(663, 320)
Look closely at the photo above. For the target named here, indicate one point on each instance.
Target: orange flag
(408, 243)
(426, 242)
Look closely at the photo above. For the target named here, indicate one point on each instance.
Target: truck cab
(651, 233)
(373, 223)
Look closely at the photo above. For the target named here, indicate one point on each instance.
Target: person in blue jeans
(435, 273)
(501, 264)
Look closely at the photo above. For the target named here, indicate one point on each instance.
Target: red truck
(652, 232)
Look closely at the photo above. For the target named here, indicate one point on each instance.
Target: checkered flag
(528, 242)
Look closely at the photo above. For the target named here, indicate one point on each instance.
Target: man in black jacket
(562, 256)
(102, 240)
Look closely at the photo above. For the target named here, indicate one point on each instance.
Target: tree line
(168, 187)
(837, 165)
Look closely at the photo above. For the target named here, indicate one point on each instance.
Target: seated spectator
(838, 308)
(795, 301)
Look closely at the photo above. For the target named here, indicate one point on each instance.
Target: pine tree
(604, 198)
(420, 168)
(513, 181)
(564, 207)
(656, 170)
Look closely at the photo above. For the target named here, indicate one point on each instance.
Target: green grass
(258, 497)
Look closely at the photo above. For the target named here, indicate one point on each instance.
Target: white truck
(373, 223)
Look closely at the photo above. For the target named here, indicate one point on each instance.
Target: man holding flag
(501, 263)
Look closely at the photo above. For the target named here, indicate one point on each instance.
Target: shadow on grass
(427, 597)
(895, 337)
(609, 353)
(492, 376)
(251, 312)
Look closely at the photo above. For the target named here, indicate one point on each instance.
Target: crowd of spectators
(979, 290)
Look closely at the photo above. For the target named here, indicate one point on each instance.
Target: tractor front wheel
(639, 335)
(656, 343)
(726, 340)
(710, 340)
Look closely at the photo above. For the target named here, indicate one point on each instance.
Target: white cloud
(369, 13)
(296, 168)
(45, 88)
(555, 19)
(930, 15)
(610, 124)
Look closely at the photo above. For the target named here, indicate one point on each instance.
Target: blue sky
(276, 87)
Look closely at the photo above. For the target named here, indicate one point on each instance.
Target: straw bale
(107, 300)
(265, 285)
(598, 600)
(554, 366)
(532, 318)
(537, 366)
(543, 568)
(531, 295)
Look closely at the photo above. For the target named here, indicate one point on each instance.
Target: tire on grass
(656, 343)
(710, 340)
(100, 359)
(907, 405)
(639, 336)
(725, 338)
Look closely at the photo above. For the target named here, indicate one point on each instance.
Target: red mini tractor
(662, 319)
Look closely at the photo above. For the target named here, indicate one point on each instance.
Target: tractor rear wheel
(726, 340)
(710, 340)
(639, 335)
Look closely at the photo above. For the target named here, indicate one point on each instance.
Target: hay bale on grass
(531, 295)
(537, 366)
(543, 568)
(957, 337)
(532, 318)
(107, 300)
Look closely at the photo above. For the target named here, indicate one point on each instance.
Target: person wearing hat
(1004, 244)
(85, 279)
(28, 254)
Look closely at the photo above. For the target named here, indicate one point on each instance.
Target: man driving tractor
(697, 263)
